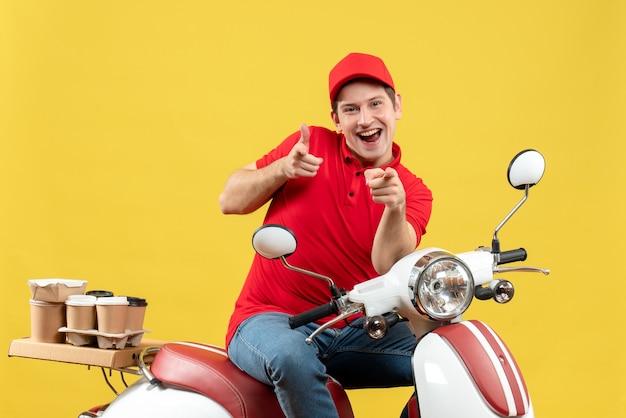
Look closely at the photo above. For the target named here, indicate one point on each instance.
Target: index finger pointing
(304, 134)
(389, 172)
(373, 173)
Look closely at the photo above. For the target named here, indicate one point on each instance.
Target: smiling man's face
(367, 117)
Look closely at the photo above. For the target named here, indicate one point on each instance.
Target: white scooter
(461, 368)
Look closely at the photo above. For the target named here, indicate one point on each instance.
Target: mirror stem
(495, 242)
(333, 289)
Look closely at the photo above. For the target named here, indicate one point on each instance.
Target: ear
(398, 106)
(335, 119)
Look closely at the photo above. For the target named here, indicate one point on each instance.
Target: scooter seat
(206, 369)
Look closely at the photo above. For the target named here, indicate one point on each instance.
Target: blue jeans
(266, 348)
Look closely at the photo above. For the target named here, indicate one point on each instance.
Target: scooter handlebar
(512, 255)
(312, 315)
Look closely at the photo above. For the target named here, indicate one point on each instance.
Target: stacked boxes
(47, 307)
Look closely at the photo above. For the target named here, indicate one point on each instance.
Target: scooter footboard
(465, 369)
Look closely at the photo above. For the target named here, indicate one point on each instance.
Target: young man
(355, 210)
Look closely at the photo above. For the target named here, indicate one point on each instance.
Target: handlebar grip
(512, 256)
(312, 315)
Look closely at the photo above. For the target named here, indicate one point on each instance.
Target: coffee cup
(136, 313)
(45, 320)
(81, 312)
(112, 312)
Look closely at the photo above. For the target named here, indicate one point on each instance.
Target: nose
(365, 117)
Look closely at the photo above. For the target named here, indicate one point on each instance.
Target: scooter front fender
(142, 399)
(465, 370)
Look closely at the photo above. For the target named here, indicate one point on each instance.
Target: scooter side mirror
(278, 242)
(526, 169)
(274, 241)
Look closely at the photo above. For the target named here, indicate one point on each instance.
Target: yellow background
(120, 120)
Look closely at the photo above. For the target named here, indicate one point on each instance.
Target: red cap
(356, 65)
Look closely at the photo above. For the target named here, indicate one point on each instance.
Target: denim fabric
(266, 348)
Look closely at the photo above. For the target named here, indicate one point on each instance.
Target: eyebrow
(352, 104)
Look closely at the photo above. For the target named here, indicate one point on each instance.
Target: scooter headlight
(444, 287)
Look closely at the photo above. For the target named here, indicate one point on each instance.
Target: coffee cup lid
(135, 301)
(80, 300)
(112, 300)
(100, 293)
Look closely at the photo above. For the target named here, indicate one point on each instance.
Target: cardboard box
(55, 290)
(91, 356)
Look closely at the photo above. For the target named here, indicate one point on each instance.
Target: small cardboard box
(91, 356)
(55, 290)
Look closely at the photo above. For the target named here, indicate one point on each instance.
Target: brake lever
(353, 310)
(522, 269)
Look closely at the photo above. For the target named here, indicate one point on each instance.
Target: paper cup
(112, 313)
(81, 312)
(45, 320)
(136, 313)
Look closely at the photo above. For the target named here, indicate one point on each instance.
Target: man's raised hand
(299, 163)
(385, 186)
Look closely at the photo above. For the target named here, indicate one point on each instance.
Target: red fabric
(334, 219)
(357, 65)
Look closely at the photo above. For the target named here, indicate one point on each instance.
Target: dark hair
(390, 92)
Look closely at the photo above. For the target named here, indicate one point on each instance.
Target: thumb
(304, 136)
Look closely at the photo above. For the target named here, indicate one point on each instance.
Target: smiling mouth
(370, 136)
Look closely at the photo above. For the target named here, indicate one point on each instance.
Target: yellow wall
(120, 120)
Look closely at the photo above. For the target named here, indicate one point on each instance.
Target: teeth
(369, 133)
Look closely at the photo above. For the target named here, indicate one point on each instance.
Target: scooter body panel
(457, 374)
(142, 399)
